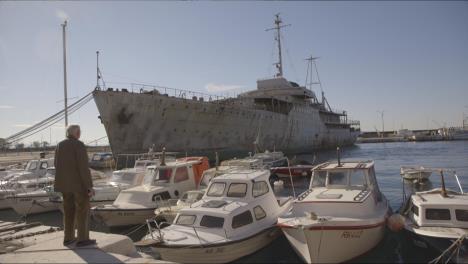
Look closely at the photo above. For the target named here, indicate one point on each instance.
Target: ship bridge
(280, 89)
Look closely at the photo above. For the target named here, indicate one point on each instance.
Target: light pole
(381, 116)
(64, 25)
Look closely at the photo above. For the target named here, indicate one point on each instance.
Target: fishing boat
(236, 217)
(437, 220)
(167, 180)
(418, 173)
(341, 216)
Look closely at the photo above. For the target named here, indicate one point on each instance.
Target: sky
(408, 59)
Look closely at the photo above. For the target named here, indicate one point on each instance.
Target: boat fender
(396, 222)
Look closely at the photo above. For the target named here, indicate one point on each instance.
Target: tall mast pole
(97, 70)
(279, 64)
(278, 36)
(64, 25)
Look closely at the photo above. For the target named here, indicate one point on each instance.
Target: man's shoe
(86, 243)
(68, 242)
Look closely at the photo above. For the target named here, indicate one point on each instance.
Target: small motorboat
(294, 171)
(236, 217)
(34, 169)
(412, 173)
(167, 180)
(106, 192)
(437, 220)
(341, 216)
(24, 183)
(32, 202)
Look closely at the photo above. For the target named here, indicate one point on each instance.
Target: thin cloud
(213, 87)
(6, 107)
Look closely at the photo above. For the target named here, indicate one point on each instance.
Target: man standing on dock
(73, 180)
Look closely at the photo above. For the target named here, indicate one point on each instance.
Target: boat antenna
(64, 25)
(217, 160)
(443, 191)
(338, 155)
(279, 64)
(163, 157)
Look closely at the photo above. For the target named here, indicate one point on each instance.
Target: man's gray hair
(72, 131)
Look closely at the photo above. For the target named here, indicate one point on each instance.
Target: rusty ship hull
(136, 121)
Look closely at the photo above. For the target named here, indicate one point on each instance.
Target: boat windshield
(32, 165)
(144, 163)
(123, 177)
(319, 179)
(154, 176)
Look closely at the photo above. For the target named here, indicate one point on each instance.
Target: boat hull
(433, 246)
(218, 253)
(121, 217)
(319, 245)
(32, 205)
(135, 122)
(92, 203)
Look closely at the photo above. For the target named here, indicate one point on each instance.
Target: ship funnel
(338, 156)
(443, 191)
(163, 157)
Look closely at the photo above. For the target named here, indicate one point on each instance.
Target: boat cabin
(352, 184)
(163, 182)
(238, 201)
(430, 208)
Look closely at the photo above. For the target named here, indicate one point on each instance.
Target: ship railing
(354, 123)
(178, 93)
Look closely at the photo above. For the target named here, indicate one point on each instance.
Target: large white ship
(279, 114)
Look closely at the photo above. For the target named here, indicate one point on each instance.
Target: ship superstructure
(279, 114)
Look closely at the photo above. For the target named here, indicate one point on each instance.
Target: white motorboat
(341, 216)
(236, 217)
(168, 180)
(34, 169)
(32, 202)
(10, 189)
(438, 219)
(169, 209)
(417, 173)
(107, 192)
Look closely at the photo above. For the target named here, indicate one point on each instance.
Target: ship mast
(279, 64)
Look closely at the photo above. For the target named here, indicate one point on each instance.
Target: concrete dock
(35, 243)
